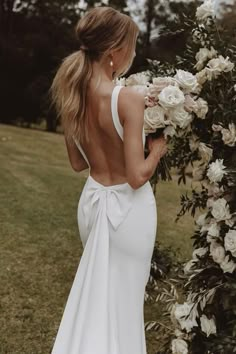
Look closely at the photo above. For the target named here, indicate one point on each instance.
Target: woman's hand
(159, 144)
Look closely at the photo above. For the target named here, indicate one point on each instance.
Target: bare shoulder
(131, 104)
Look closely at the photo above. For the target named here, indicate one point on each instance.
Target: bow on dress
(85, 323)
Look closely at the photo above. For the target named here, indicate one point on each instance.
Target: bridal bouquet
(171, 105)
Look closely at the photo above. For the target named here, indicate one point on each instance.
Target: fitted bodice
(116, 120)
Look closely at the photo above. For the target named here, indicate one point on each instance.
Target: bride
(117, 214)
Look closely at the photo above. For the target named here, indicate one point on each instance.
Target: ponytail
(69, 93)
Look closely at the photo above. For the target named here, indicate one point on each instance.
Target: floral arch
(194, 104)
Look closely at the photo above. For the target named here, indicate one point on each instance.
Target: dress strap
(114, 110)
(82, 151)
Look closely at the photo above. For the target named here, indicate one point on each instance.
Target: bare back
(104, 152)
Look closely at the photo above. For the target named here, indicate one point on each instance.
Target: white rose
(154, 117)
(141, 78)
(181, 117)
(228, 266)
(220, 210)
(185, 79)
(204, 11)
(205, 152)
(208, 326)
(171, 97)
(217, 252)
(230, 242)
(179, 346)
(229, 135)
(217, 65)
(214, 230)
(201, 108)
(235, 87)
(182, 311)
(201, 77)
(216, 171)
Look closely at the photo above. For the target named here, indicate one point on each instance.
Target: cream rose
(201, 77)
(159, 83)
(171, 97)
(230, 242)
(217, 252)
(154, 118)
(216, 171)
(204, 54)
(185, 79)
(180, 117)
(220, 209)
(179, 346)
(204, 11)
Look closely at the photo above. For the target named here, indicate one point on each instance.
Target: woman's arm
(131, 107)
(76, 159)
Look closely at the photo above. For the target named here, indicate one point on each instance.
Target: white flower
(181, 311)
(199, 252)
(202, 219)
(171, 97)
(169, 131)
(216, 171)
(204, 11)
(217, 65)
(141, 78)
(220, 209)
(229, 135)
(208, 326)
(181, 117)
(185, 79)
(201, 76)
(154, 118)
(179, 346)
(204, 54)
(120, 81)
(230, 242)
(201, 108)
(217, 252)
(190, 104)
(228, 266)
(160, 83)
(205, 152)
(214, 230)
(235, 87)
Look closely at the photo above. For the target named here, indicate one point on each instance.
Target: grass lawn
(40, 244)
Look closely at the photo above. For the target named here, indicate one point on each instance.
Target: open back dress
(104, 313)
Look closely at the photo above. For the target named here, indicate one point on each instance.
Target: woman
(117, 214)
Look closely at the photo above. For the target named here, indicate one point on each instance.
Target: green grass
(39, 240)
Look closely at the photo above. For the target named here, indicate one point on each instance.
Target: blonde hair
(98, 31)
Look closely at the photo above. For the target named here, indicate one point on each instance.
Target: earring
(111, 63)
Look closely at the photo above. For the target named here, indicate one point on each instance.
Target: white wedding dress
(117, 225)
